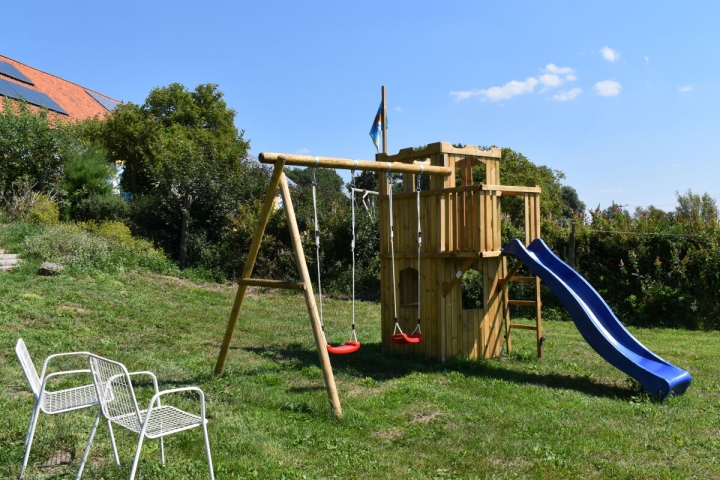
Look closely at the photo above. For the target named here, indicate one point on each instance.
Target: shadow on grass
(370, 362)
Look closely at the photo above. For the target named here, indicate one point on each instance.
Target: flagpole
(384, 120)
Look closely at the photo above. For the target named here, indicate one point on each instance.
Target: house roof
(66, 100)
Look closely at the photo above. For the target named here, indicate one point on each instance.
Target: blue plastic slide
(598, 324)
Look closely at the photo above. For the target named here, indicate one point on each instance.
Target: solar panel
(21, 92)
(105, 102)
(12, 72)
(6, 89)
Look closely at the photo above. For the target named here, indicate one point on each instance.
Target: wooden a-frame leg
(310, 300)
(250, 263)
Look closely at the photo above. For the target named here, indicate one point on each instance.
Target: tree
(516, 169)
(693, 208)
(185, 162)
(329, 188)
(34, 146)
(572, 205)
(651, 216)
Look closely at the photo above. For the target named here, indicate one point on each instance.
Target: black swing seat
(404, 338)
(349, 347)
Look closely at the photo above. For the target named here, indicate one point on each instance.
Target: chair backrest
(28, 367)
(115, 391)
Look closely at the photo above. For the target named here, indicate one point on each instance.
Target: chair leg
(32, 420)
(137, 457)
(162, 451)
(112, 441)
(207, 451)
(29, 436)
(89, 443)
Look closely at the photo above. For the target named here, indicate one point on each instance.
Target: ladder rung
(523, 303)
(260, 282)
(522, 279)
(523, 327)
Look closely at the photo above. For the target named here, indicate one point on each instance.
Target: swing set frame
(460, 223)
(278, 180)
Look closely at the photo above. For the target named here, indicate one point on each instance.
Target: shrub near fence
(664, 274)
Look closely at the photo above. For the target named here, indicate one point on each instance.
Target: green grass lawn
(570, 415)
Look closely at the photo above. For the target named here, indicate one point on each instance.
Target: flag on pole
(377, 127)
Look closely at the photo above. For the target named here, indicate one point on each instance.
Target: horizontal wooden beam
(523, 327)
(502, 190)
(441, 147)
(510, 189)
(452, 254)
(260, 282)
(348, 164)
(522, 303)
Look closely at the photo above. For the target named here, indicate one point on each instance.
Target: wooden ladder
(537, 303)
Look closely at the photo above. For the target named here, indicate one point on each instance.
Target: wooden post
(320, 343)
(571, 246)
(384, 120)
(249, 264)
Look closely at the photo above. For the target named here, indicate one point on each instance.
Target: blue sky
(621, 96)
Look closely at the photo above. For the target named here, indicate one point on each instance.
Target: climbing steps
(8, 260)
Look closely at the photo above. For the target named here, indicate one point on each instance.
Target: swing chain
(389, 180)
(419, 229)
(353, 336)
(317, 244)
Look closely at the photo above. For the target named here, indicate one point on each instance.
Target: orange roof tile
(70, 96)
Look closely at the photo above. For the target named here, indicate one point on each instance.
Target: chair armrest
(149, 374)
(152, 376)
(56, 355)
(156, 398)
(59, 374)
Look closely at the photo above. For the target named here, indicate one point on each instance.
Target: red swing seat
(404, 338)
(349, 347)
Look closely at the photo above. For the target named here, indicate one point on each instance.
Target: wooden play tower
(460, 220)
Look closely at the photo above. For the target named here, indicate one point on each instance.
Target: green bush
(87, 172)
(81, 251)
(97, 207)
(43, 211)
(33, 146)
(101, 208)
(652, 270)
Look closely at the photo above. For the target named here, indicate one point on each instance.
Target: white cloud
(494, 94)
(303, 151)
(552, 68)
(568, 95)
(608, 88)
(613, 190)
(552, 77)
(464, 94)
(398, 109)
(555, 76)
(609, 54)
(550, 80)
(686, 88)
(647, 60)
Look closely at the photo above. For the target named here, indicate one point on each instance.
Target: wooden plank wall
(493, 327)
(454, 219)
(532, 217)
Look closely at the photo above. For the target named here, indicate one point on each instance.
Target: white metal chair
(118, 405)
(48, 401)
